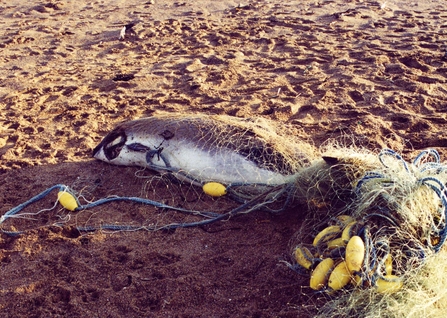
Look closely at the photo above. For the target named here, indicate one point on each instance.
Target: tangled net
(200, 148)
(395, 210)
(253, 161)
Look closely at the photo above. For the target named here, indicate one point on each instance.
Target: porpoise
(203, 148)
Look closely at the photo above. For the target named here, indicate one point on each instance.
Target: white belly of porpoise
(221, 165)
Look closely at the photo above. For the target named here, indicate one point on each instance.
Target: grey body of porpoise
(203, 148)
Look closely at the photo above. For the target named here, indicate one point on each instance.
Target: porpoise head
(110, 147)
(124, 147)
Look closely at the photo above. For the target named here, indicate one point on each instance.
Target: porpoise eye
(112, 152)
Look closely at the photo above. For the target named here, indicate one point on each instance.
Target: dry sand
(372, 70)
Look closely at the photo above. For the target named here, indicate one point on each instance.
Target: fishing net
(208, 148)
(253, 161)
(395, 210)
(398, 212)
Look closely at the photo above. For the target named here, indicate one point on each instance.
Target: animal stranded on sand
(378, 222)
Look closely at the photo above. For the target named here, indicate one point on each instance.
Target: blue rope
(431, 165)
(289, 190)
(172, 226)
(441, 192)
(367, 177)
(211, 216)
(438, 168)
(376, 271)
(432, 182)
(235, 195)
(428, 152)
(392, 153)
(238, 197)
(36, 198)
(147, 202)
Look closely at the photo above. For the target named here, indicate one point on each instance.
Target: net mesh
(165, 143)
(216, 148)
(400, 206)
(401, 209)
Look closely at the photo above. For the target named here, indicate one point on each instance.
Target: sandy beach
(372, 72)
